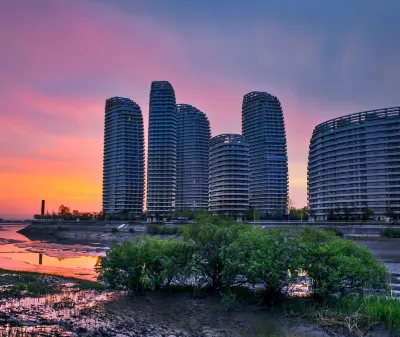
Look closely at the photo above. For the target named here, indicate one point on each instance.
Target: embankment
(122, 230)
(83, 231)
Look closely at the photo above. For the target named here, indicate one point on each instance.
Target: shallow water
(387, 251)
(17, 252)
(65, 309)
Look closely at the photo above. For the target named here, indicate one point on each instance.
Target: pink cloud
(63, 59)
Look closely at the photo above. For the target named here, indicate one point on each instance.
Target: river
(70, 258)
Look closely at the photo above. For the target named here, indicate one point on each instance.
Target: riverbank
(37, 304)
(102, 232)
(119, 231)
(44, 303)
(51, 305)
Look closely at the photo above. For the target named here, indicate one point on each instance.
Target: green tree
(251, 214)
(145, 264)
(293, 214)
(62, 210)
(337, 265)
(219, 254)
(367, 214)
(264, 257)
(303, 213)
(277, 214)
(211, 238)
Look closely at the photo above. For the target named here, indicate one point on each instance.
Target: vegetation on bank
(158, 229)
(65, 213)
(237, 261)
(390, 233)
(15, 283)
(219, 254)
(354, 315)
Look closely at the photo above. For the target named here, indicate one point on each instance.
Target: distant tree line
(356, 214)
(292, 214)
(65, 213)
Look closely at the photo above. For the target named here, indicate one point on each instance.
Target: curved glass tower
(192, 159)
(263, 127)
(228, 175)
(161, 160)
(123, 160)
(354, 166)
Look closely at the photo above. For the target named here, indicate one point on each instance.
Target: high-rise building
(354, 166)
(228, 175)
(123, 161)
(192, 159)
(263, 127)
(161, 160)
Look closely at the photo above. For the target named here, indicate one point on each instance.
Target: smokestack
(42, 212)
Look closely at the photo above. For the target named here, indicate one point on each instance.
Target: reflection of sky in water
(17, 252)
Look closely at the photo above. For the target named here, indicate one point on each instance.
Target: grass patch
(88, 285)
(336, 231)
(38, 284)
(156, 229)
(355, 316)
(37, 288)
(390, 233)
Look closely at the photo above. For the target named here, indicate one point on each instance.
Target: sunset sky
(60, 60)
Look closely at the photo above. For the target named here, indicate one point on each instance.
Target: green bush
(162, 230)
(211, 238)
(153, 229)
(363, 311)
(390, 233)
(265, 258)
(336, 231)
(336, 265)
(221, 255)
(144, 264)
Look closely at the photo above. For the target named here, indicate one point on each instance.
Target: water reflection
(49, 314)
(17, 252)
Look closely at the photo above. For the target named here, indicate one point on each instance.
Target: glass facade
(192, 159)
(263, 127)
(162, 150)
(228, 175)
(123, 160)
(354, 165)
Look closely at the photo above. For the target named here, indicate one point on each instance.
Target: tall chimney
(42, 211)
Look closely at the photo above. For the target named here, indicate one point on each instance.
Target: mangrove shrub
(218, 254)
(336, 265)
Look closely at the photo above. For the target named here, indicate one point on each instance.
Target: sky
(60, 61)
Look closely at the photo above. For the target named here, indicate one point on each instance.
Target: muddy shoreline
(56, 306)
(69, 310)
(80, 233)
